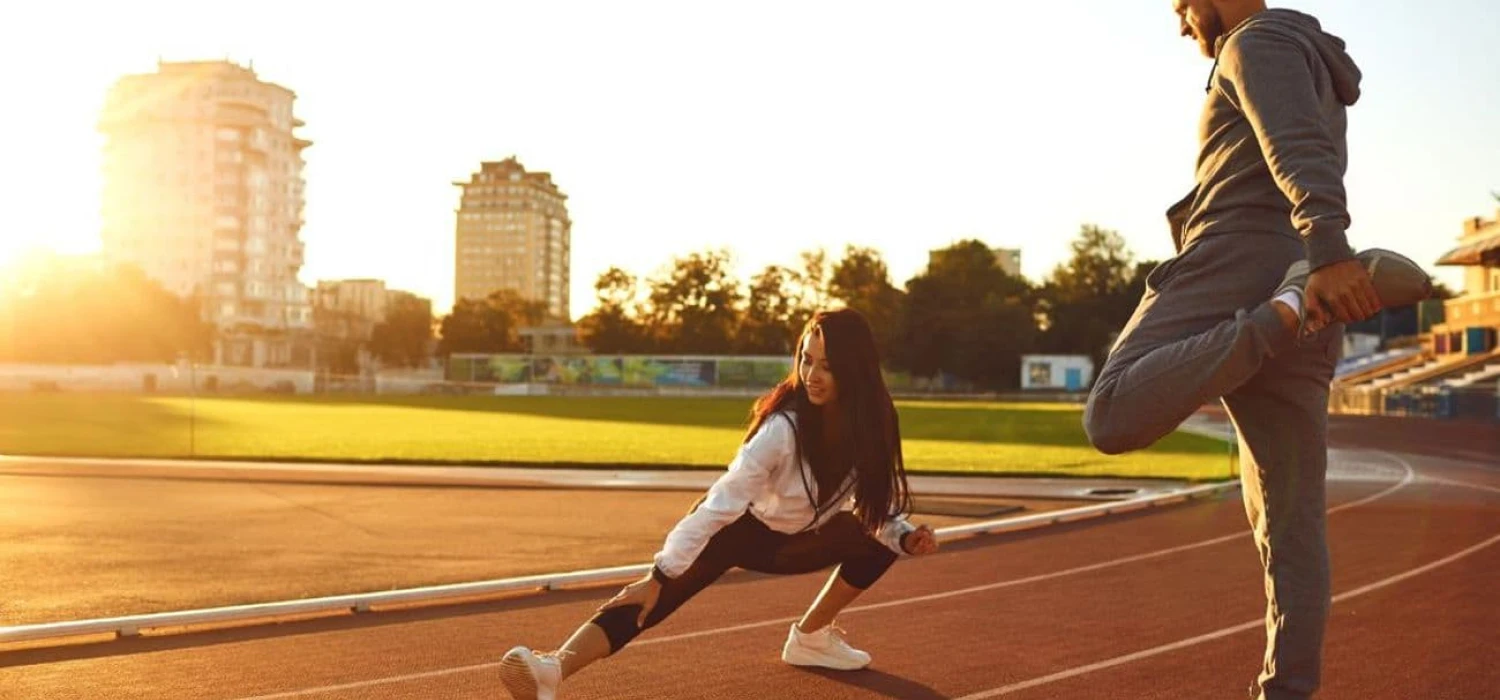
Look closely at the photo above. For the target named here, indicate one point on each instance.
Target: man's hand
(1339, 293)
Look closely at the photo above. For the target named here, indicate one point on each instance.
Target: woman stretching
(818, 482)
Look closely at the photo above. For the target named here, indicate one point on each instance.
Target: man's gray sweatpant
(1204, 330)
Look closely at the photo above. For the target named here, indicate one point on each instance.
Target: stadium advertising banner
(754, 372)
(632, 371)
(508, 370)
(572, 371)
(676, 372)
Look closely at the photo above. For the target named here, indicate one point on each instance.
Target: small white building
(1056, 372)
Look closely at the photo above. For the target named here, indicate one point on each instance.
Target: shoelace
(838, 634)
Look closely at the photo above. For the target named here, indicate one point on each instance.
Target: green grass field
(938, 436)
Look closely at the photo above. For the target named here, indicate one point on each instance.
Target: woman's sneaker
(825, 647)
(528, 675)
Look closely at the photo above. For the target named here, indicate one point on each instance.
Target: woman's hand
(643, 593)
(920, 541)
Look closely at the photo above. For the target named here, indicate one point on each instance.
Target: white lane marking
(1216, 634)
(1406, 479)
(374, 682)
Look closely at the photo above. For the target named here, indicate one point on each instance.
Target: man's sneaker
(1397, 280)
(528, 675)
(825, 647)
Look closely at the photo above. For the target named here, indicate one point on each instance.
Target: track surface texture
(1162, 603)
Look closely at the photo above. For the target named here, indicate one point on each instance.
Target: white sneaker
(825, 647)
(529, 675)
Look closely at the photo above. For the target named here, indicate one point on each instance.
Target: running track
(1156, 604)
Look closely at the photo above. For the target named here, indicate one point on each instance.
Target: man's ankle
(1288, 315)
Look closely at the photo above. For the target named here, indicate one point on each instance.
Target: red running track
(1156, 604)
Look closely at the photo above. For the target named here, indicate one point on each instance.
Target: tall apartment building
(203, 189)
(513, 232)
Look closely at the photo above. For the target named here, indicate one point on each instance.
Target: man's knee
(1111, 444)
(1104, 435)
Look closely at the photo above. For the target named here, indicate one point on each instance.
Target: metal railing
(135, 625)
(1474, 402)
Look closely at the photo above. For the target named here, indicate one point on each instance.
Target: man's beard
(1211, 32)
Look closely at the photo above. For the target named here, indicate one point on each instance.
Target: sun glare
(9, 259)
(20, 259)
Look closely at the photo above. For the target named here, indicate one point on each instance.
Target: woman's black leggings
(748, 544)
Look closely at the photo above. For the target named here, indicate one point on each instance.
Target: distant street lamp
(184, 358)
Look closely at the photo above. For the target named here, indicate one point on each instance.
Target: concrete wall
(137, 378)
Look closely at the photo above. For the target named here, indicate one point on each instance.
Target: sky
(764, 128)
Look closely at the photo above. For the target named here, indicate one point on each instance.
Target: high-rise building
(513, 233)
(203, 190)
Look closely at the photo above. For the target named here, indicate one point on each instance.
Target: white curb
(134, 625)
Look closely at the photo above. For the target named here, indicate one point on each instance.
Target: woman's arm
(893, 530)
(770, 449)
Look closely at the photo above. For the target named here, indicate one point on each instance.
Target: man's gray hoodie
(1273, 153)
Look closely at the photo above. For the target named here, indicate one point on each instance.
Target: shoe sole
(1402, 291)
(516, 675)
(816, 664)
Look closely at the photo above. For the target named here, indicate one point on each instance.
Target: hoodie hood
(1306, 29)
(1273, 147)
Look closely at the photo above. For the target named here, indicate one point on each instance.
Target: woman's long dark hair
(869, 432)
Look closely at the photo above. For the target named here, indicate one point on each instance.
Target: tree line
(962, 317)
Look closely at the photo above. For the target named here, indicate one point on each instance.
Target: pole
(193, 409)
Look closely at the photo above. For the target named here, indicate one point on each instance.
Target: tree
(614, 326)
(1101, 266)
(811, 286)
(339, 340)
(965, 317)
(491, 325)
(990, 342)
(769, 325)
(862, 282)
(1088, 299)
(694, 306)
(402, 340)
(96, 314)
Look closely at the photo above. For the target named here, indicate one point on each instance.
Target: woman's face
(812, 366)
